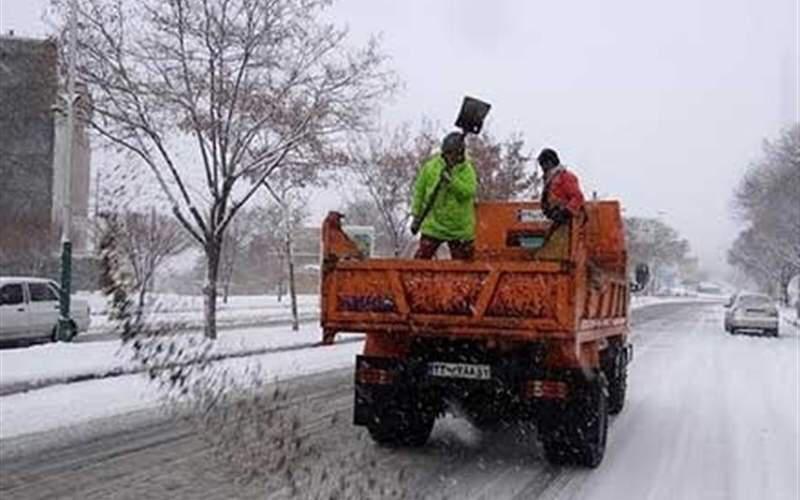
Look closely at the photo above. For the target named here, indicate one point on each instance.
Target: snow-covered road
(709, 415)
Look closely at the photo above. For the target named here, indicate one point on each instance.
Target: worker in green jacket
(444, 202)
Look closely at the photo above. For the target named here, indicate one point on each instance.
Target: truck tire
(616, 372)
(578, 435)
(401, 425)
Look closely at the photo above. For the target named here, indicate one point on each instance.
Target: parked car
(29, 309)
(753, 312)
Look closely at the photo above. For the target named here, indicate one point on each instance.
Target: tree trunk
(785, 291)
(142, 294)
(210, 288)
(292, 289)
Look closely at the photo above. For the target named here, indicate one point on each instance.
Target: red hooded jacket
(562, 189)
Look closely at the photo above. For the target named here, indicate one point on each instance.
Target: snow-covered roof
(32, 279)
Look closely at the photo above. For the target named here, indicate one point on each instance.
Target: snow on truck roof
(30, 279)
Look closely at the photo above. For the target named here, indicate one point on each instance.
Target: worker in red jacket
(562, 198)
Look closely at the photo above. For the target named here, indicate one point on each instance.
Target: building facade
(32, 156)
(28, 91)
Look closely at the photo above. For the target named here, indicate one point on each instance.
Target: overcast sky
(661, 104)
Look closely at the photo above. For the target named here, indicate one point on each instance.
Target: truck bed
(507, 292)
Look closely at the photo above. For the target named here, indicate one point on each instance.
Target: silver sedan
(752, 312)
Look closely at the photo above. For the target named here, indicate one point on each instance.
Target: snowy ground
(47, 369)
(46, 364)
(708, 415)
(240, 310)
(192, 303)
(63, 405)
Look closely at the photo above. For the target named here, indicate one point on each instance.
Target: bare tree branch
(230, 92)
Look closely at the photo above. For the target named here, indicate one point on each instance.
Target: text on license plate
(459, 370)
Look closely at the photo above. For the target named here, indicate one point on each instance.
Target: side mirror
(642, 277)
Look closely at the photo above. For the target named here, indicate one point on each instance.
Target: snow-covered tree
(767, 202)
(144, 242)
(504, 167)
(656, 244)
(243, 229)
(385, 163)
(216, 97)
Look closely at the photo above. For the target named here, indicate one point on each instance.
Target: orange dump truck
(535, 328)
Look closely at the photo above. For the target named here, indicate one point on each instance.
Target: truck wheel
(616, 372)
(578, 435)
(401, 425)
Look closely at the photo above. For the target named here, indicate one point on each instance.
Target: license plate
(460, 370)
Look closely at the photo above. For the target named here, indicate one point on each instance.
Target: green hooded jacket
(453, 214)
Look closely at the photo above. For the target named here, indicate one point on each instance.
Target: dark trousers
(461, 250)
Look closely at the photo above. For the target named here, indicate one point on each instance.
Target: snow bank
(647, 300)
(241, 310)
(69, 404)
(790, 315)
(166, 302)
(52, 363)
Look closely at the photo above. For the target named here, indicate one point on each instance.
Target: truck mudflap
(516, 390)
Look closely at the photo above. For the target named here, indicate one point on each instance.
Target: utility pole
(64, 331)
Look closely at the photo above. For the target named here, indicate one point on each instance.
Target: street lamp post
(64, 331)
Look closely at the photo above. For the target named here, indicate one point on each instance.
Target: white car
(752, 311)
(29, 309)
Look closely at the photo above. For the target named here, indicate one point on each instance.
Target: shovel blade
(473, 112)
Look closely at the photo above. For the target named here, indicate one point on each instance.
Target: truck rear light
(544, 389)
(374, 376)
